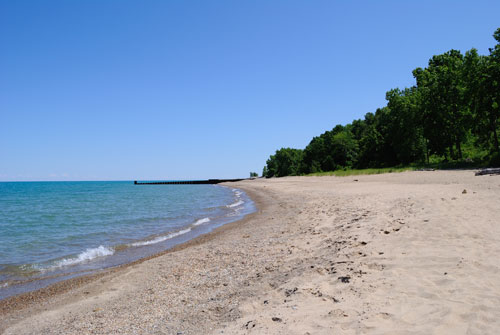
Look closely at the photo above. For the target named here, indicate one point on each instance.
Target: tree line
(451, 114)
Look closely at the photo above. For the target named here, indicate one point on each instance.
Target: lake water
(51, 231)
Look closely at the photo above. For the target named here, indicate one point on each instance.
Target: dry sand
(407, 253)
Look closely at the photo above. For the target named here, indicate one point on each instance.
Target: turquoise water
(58, 229)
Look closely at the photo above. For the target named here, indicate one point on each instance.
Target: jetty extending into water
(188, 182)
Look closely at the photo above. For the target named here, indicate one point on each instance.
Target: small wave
(161, 238)
(4, 285)
(237, 203)
(85, 256)
(201, 221)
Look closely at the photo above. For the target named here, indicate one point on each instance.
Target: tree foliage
(455, 102)
(285, 162)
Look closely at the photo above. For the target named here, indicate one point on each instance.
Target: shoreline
(26, 299)
(130, 253)
(414, 252)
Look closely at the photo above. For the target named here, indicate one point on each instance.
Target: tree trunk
(495, 140)
(427, 151)
(495, 135)
(459, 148)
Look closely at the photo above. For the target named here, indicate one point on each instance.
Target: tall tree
(494, 89)
(285, 162)
(445, 112)
(482, 74)
(369, 146)
(405, 125)
(331, 150)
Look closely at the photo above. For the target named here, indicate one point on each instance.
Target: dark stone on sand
(250, 324)
(345, 279)
(276, 319)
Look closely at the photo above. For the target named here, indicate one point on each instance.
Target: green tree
(405, 132)
(331, 150)
(493, 90)
(445, 112)
(285, 162)
(485, 73)
(454, 107)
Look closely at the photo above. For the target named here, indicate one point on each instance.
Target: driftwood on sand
(488, 171)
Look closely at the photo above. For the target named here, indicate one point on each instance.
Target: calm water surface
(55, 230)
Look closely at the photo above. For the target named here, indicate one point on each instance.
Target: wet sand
(407, 253)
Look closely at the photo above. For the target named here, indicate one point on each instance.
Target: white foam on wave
(85, 256)
(201, 221)
(4, 285)
(161, 238)
(237, 203)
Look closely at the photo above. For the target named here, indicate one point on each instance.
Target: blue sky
(122, 90)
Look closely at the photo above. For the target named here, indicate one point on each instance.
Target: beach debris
(276, 319)
(464, 191)
(386, 232)
(290, 291)
(345, 279)
(489, 171)
(318, 293)
(338, 313)
(250, 324)
(356, 180)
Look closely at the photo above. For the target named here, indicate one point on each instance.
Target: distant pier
(188, 182)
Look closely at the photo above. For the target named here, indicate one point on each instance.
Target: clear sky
(123, 90)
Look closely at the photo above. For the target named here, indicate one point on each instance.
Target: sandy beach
(405, 253)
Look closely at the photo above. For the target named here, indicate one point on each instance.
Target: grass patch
(354, 172)
(452, 165)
